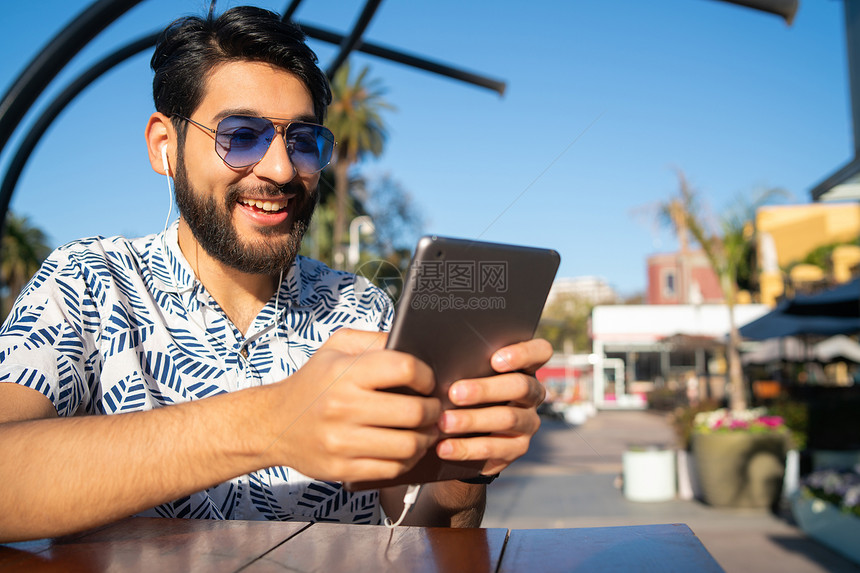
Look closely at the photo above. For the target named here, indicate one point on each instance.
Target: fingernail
(501, 359)
(458, 393)
(445, 449)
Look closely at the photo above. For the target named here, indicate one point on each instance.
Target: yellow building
(788, 233)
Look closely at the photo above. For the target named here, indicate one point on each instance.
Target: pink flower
(771, 421)
(753, 420)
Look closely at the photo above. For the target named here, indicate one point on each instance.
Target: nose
(275, 166)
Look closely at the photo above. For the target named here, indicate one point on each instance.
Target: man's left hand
(510, 426)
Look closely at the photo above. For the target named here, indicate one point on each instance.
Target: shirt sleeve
(43, 343)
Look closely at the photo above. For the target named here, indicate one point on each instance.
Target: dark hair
(191, 47)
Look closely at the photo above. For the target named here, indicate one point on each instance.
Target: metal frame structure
(60, 50)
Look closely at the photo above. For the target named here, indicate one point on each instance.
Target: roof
(842, 185)
(653, 323)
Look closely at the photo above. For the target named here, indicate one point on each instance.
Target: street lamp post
(362, 225)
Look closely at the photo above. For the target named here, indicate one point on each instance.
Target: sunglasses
(243, 140)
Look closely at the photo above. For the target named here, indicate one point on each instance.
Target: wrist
(261, 408)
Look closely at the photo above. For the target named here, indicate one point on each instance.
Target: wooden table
(164, 545)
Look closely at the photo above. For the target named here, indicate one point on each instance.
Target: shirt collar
(178, 276)
(296, 288)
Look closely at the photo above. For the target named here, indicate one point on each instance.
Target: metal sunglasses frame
(276, 123)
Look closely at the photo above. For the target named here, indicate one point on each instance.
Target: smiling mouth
(267, 205)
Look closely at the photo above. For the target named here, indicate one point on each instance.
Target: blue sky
(605, 100)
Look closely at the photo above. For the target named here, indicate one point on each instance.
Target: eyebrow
(307, 118)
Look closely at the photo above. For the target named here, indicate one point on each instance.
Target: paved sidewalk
(569, 478)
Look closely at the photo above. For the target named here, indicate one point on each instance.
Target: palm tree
(355, 118)
(22, 251)
(726, 250)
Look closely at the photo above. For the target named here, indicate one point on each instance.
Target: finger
(516, 388)
(363, 469)
(496, 450)
(381, 444)
(384, 369)
(496, 420)
(527, 356)
(356, 342)
(385, 410)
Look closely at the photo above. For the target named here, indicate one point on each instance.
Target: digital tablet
(462, 300)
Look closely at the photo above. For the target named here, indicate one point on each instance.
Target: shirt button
(244, 352)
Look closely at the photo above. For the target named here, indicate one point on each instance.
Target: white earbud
(169, 184)
(164, 160)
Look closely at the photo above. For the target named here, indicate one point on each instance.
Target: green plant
(796, 417)
(821, 256)
(682, 420)
(665, 399)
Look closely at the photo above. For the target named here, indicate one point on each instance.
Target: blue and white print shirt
(112, 325)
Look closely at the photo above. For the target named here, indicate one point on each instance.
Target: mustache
(270, 190)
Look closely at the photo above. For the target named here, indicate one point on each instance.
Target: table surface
(162, 545)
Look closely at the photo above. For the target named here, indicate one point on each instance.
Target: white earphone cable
(408, 501)
(170, 186)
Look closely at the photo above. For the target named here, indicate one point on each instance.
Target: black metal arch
(52, 59)
(350, 42)
(101, 13)
(57, 105)
(64, 46)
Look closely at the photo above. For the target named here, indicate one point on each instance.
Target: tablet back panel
(463, 300)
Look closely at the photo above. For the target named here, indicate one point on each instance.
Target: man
(208, 371)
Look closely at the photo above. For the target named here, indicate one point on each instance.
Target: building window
(669, 284)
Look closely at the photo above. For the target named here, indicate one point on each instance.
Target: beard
(211, 223)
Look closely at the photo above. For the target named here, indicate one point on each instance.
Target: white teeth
(270, 206)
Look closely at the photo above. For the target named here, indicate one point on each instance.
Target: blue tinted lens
(309, 145)
(243, 140)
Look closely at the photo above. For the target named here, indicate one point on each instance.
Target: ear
(160, 134)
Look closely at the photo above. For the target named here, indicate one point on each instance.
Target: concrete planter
(827, 524)
(740, 469)
(649, 474)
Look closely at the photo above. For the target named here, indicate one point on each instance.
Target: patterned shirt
(112, 325)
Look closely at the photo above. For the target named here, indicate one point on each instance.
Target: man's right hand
(332, 422)
(328, 421)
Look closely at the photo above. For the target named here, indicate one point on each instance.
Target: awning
(779, 323)
(840, 301)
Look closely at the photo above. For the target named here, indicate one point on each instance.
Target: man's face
(253, 218)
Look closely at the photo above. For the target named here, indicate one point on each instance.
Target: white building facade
(647, 328)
